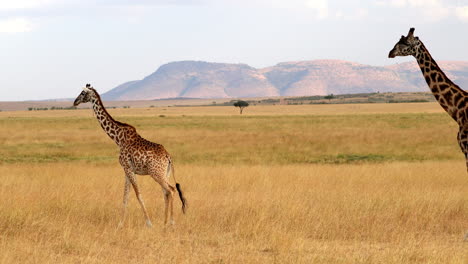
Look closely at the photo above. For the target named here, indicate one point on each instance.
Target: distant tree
(241, 104)
(329, 97)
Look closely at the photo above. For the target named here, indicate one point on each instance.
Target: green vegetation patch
(49, 158)
(348, 158)
(238, 140)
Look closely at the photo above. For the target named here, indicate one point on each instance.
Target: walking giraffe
(452, 98)
(137, 156)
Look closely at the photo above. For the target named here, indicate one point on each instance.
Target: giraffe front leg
(132, 179)
(125, 201)
(462, 138)
(462, 145)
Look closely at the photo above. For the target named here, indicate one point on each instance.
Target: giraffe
(452, 98)
(137, 156)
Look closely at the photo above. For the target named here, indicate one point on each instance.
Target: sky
(52, 48)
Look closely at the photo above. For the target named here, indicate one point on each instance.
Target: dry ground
(306, 184)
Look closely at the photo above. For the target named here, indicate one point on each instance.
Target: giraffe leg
(172, 204)
(125, 200)
(133, 181)
(168, 203)
(466, 158)
(467, 164)
(168, 192)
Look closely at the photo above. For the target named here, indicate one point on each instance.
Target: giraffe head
(85, 96)
(406, 46)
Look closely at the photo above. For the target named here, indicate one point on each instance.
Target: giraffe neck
(448, 94)
(117, 131)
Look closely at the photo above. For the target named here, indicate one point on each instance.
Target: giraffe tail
(179, 190)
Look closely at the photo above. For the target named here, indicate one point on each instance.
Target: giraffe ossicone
(137, 156)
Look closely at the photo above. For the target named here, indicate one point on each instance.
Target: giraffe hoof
(149, 224)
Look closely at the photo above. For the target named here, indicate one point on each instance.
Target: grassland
(405, 97)
(374, 183)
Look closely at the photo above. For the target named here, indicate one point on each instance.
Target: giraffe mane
(437, 66)
(105, 110)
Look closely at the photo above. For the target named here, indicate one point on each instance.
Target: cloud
(462, 13)
(393, 3)
(16, 25)
(409, 3)
(318, 9)
(428, 10)
(24, 4)
(320, 6)
(357, 14)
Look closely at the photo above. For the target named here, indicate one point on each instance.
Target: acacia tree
(241, 104)
(329, 97)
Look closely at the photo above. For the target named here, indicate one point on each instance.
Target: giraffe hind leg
(171, 204)
(168, 206)
(168, 192)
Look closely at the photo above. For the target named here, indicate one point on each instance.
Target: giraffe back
(145, 157)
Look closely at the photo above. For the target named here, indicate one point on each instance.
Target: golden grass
(381, 213)
(385, 184)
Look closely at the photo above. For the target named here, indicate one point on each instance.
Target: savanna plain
(365, 183)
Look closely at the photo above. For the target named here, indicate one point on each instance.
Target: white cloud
(394, 3)
(425, 3)
(320, 6)
(356, 14)
(430, 10)
(433, 9)
(409, 3)
(462, 13)
(15, 25)
(23, 4)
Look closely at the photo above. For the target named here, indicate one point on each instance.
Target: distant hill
(197, 79)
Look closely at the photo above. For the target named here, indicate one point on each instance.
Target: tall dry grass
(381, 213)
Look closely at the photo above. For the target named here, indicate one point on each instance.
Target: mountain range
(198, 79)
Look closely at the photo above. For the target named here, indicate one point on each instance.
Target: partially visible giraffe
(137, 156)
(452, 98)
